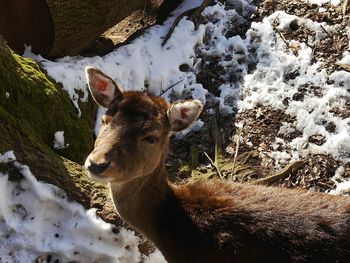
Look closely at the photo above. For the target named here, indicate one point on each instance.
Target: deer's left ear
(103, 89)
(183, 113)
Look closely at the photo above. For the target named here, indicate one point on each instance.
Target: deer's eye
(151, 139)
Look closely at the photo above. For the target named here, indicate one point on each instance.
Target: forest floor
(274, 78)
(244, 152)
(242, 140)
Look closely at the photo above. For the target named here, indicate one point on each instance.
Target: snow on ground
(38, 223)
(267, 85)
(36, 220)
(145, 65)
(342, 185)
(142, 64)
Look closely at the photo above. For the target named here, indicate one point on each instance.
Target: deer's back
(230, 222)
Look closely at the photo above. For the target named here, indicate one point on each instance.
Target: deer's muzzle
(99, 168)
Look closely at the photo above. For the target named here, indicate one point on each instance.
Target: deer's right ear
(103, 89)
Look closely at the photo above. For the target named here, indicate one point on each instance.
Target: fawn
(209, 221)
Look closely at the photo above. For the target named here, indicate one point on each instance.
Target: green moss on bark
(42, 107)
(32, 108)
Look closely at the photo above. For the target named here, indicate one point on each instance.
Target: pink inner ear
(183, 112)
(102, 85)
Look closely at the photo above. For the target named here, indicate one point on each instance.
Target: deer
(206, 221)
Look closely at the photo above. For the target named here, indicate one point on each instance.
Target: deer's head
(135, 131)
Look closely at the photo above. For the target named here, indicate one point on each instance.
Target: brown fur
(219, 221)
(214, 221)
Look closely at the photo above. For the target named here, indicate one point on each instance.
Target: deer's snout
(98, 168)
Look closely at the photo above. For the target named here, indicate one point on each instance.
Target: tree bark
(27, 22)
(29, 101)
(56, 28)
(78, 23)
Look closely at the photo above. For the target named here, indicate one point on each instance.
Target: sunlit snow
(32, 213)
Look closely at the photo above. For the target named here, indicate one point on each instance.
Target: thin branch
(236, 151)
(344, 66)
(279, 32)
(330, 36)
(281, 35)
(213, 164)
(282, 174)
(176, 21)
(188, 12)
(170, 87)
(215, 132)
(345, 6)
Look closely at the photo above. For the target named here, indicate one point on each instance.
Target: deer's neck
(153, 207)
(138, 201)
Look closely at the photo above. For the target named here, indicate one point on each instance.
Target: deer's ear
(103, 89)
(183, 113)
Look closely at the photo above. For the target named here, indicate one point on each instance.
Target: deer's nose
(98, 168)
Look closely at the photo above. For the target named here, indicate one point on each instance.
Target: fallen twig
(282, 174)
(344, 66)
(281, 35)
(213, 164)
(345, 6)
(168, 88)
(279, 32)
(196, 10)
(330, 36)
(236, 150)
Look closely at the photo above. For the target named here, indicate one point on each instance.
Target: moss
(42, 107)
(35, 109)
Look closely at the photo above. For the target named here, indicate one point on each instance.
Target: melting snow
(267, 86)
(145, 65)
(38, 222)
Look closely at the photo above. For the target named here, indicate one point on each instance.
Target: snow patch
(267, 85)
(58, 141)
(342, 184)
(37, 222)
(146, 65)
(142, 65)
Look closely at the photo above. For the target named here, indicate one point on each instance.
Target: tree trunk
(56, 28)
(27, 22)
(79, 23)
(32, 108)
